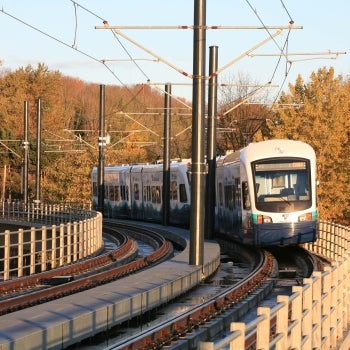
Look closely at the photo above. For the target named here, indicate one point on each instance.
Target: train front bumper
(285, 233)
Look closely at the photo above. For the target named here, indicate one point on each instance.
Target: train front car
(279, 193)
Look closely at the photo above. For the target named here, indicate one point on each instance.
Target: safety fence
(57, 235)
(315, 316)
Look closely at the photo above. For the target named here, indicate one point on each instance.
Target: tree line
(315, 111)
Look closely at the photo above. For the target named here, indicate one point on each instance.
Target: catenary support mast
(198, 112)
(211, 144)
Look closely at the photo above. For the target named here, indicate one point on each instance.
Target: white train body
(265, 193)
(142, 187)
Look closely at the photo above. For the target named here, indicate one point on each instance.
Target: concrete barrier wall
(58, 235)
(315, 316)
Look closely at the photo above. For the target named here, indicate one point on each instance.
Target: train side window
(183, 194)
(127, 193)
(173, 190)
(228, 192)
(156, 197)
(245, 194)
(116, 193)
(111, 193)
(136, 192)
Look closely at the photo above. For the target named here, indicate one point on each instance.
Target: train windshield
(282, 181)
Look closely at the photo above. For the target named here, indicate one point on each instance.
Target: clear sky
(52, 32)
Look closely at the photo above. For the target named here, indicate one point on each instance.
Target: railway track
(284, 268)
(179, 325)
(42, 287)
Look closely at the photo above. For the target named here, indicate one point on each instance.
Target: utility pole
(101, 156)
(38, 154)
(166, 154)
(198, 167)
(25, 145)
(211, 144)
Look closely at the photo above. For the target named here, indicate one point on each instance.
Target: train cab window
(183, 194)
(282, 182)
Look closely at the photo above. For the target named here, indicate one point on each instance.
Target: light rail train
(265, 193)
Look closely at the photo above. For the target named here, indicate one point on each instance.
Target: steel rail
(179, 326)
(163, 251)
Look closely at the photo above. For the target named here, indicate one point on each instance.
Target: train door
(152, 183)
(219, 208)
(121, 193)
(147, 193)
(179, 195)
(246, 195)
(136, 193)
(156, 193)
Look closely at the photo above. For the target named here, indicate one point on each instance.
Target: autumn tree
(318, 112)
(243, 113)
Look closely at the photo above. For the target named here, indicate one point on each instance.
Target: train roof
(277, 148)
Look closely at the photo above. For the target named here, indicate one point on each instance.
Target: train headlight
(263, 219)
(305, 217)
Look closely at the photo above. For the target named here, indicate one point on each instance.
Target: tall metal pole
(211, 144)
(198, 112)
(38, 153)
(25, 156)
(101, 156)
(166, 154)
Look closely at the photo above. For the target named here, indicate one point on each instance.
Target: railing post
(61, 258)
(326, 307)
(20, 253)
(237, 342)
(32, 251)
(307, 314)
(7, 255)
(263, 328)
(334, 303)
(346, 290)
(282, 322)
(341, 288)
(296, 318)
(53, 247)
(75, 241)
(206, 345)
(69, 243)
(81, 239)
(43, 248)
(316, 310)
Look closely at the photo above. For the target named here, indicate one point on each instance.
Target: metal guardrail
(315, 316)
(58, 235)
